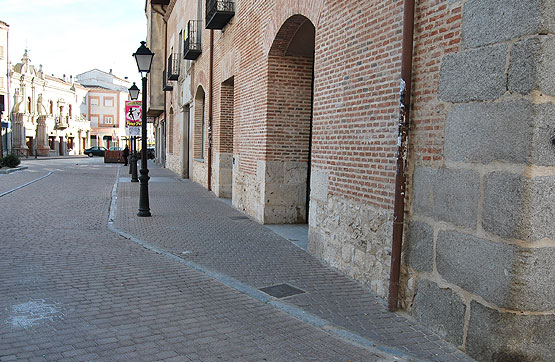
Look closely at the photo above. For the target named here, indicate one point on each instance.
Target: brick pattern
(223, 132)
(289, 108)
(437, 32)
(357, 71)
(73, 290)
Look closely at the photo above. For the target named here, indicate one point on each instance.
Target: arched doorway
(289, 122)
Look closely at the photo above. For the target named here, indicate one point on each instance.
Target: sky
(74, 36)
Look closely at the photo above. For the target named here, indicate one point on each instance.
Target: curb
(10, 170)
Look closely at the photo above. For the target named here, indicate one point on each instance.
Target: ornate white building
(45, 117)
(4, 94)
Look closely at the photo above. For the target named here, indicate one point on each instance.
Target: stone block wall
(480, 241)
(223, 177)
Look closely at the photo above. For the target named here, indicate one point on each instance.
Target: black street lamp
(144, 56)
(134, 94)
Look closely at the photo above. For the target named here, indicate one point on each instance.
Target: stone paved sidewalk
(189, 224)
(73, 290)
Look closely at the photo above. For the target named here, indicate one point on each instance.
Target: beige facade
(45, 116)
(104, 107)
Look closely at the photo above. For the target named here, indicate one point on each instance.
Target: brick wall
(437, 33)
(289, 108)
(223, 134)
(356, 105)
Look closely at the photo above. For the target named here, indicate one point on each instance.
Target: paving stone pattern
(72, 290)
(192, 223)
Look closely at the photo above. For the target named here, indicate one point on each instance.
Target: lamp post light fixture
(134, 94)
(144, 57)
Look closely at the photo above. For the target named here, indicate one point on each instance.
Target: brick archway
(289, 122)
(283, 10)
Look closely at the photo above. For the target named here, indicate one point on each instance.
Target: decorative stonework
(354, 238)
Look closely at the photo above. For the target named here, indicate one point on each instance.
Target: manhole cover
(282, 290)
(239, 217)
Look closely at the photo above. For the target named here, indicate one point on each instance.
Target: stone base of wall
(200, 173)
(246, 194)
(284, 194)
(223, 174)
(173, 163)
(354, 238)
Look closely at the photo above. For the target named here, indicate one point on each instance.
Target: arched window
(51, 107)
(29, 103)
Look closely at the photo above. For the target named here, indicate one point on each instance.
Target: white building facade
(4, 86)
(45, 117)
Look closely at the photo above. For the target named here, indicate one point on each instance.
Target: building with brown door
(296, 110)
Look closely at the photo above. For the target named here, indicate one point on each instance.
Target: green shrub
(11, 160)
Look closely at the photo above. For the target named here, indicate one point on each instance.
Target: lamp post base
(144, 207)
(134, 167)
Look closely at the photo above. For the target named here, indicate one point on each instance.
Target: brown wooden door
(29, 143)
(61, 146)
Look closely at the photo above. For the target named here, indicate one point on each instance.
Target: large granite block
(532, 66)
(506, 275)
(493, 21)
(543, 140)
(487, 132)
(479, 266)
(501, 337)
(518, 207)
(447, 194)
(474, 75)
(419, 246)
(441, 310)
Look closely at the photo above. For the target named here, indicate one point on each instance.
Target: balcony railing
(218, 13)
(173, 66)
(165, 86)
(193, 47)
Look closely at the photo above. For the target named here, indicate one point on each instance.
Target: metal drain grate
(282, 290)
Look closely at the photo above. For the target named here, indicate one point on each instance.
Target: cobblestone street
(84, 278)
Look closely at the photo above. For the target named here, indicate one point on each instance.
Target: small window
(29, 102)
(108, 120)
(108, 101)
(94, 120)
(70, 111)
(94, 101)
(51, 107)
